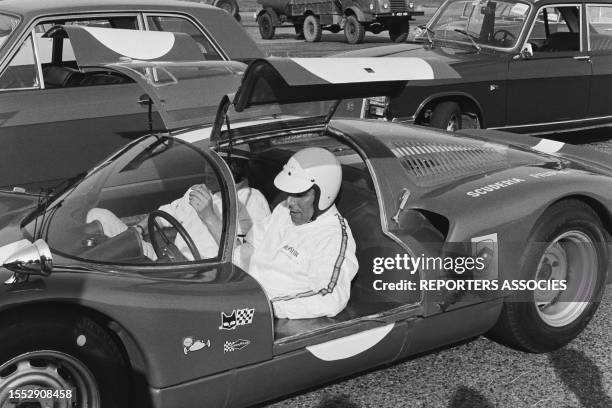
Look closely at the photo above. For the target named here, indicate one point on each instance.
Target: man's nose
(291, 202)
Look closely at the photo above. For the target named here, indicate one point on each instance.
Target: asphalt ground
(479, 373)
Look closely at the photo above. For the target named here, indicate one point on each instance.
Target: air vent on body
(435, 163)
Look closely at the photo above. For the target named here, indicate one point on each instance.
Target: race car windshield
(488, 23)
(7, 26)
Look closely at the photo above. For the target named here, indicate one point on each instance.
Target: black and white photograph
(305, 203)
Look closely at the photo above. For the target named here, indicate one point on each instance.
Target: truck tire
(446, 115)
(312, 29)
(231, 6)
(568, 243)
(70, 352)
(354, 31)
(266, 26)
(398, 33)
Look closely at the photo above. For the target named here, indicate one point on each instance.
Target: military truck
(355, 17)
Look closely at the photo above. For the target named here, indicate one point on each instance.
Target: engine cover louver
(434, 163)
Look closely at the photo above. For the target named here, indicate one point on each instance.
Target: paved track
(481, 373)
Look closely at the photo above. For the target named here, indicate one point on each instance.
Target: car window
(97, 220)
(556, 29)
(599, 20)
(21, 72)
(45, 45)
(182, 25)
(492, 23)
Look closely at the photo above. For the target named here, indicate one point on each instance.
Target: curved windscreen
(488, 23)
(105, 217)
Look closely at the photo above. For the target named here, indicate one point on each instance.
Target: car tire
(48, 352)
(570, 232)
(299, 31)
(312, 29)
(446, 115)
(231, 6)
(266, 26)
(398, 33)
(354, 31)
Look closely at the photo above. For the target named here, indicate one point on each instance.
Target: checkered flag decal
(244, 316)
(230, 346)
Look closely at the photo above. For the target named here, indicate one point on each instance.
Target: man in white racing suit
(303, 254)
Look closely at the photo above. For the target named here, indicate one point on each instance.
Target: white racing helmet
(312, 166)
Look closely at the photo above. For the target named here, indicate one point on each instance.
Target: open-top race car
(88, 320)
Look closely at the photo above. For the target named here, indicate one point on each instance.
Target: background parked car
(528, 67)
(53, 122)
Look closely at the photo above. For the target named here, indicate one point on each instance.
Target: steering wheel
(506, 35)
(169, 249)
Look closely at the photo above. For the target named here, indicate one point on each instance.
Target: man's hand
(200, 198)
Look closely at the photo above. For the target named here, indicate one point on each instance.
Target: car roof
(33, 8)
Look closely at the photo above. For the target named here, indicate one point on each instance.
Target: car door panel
(545, 89)
(84, 124)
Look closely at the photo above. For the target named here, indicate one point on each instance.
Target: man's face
(301, 206)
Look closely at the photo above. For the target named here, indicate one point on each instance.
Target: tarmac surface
(480, 373)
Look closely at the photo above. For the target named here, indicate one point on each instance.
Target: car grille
(398, 5)
(434, 163)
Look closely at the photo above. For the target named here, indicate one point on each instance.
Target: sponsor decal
(238, 317)
(291, 250)
(493, 187)
(231, 346)
(190, 344)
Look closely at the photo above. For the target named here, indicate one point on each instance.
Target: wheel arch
(466, 102)
(273, 14)
(596, 205)
(131, 352)
(355, 11)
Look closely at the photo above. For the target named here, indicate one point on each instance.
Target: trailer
(355, 17)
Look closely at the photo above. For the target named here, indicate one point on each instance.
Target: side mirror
(34, 259)
(526, 52)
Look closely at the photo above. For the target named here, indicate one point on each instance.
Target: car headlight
(371, 6)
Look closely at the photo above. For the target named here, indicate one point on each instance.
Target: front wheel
(312, 29)
(568, 244)
(69, 359)
(446, 115)
(354, 31)
(231, 6)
